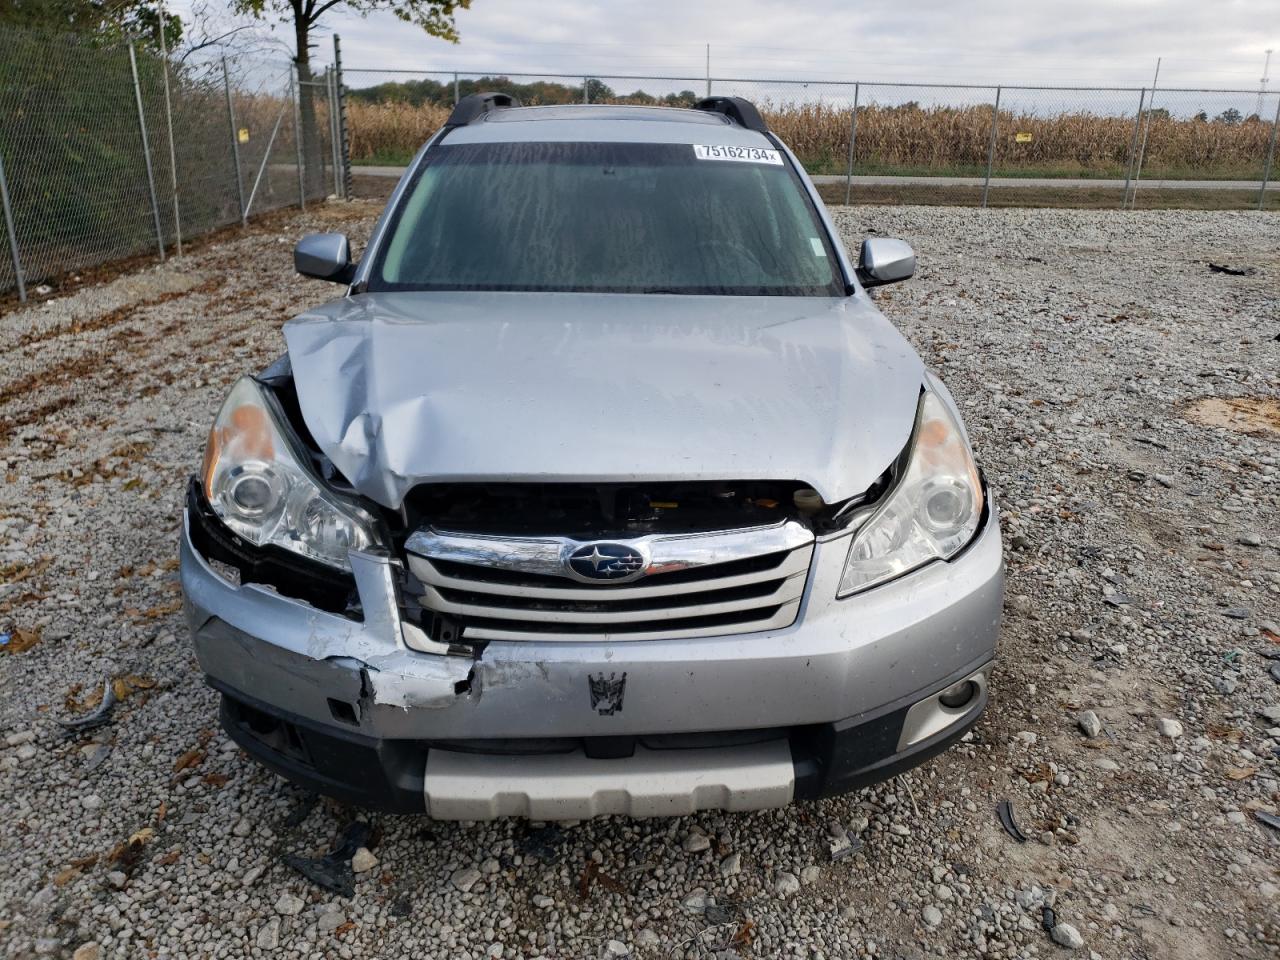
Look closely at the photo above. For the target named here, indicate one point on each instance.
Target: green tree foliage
(436, 17)
(441, 92)
(98, 21)
(1231, 116)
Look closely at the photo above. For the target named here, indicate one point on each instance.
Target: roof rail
(743, 112)
(477, 104)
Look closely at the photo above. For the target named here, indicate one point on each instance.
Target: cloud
(1099, 42)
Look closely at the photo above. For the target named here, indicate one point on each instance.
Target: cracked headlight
(256, 482)
(932, 512)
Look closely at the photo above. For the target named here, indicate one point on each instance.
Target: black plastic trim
(740, 111)
(388, 775)
(475, 105)
(294, 576)
(384, 775)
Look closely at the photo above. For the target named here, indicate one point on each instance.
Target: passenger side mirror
(885, 260)
(324, 256)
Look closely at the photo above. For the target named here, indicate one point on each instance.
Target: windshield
(606, 218)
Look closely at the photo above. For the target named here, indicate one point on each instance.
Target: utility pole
(1262, 90)
(708, 69)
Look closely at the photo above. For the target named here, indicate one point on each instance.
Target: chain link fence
(114, 151)
(915, 143)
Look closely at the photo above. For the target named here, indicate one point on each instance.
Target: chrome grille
(694, 585)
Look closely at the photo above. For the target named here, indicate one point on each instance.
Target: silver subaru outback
(604, 489)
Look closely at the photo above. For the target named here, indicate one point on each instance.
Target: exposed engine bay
(591, 511)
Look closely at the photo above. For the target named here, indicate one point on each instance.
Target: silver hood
(406, 388)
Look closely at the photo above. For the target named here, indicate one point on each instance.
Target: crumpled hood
(406, 388)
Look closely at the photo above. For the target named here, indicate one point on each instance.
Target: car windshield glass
(606, 218)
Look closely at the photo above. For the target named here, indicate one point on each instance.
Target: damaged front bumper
(845, 696)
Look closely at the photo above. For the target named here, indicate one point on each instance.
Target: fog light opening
(958, 694)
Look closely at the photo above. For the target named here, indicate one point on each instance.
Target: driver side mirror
(324, 256)
(885, 260)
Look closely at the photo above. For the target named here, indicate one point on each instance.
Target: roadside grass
(1086, 198)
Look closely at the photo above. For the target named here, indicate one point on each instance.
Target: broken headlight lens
(931, 514)
(256, 482)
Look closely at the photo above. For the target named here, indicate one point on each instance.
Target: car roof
(605, 123)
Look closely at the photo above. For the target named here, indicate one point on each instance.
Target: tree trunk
(313, 155)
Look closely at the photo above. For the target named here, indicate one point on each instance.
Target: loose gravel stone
(1064, 934)
(363, 860)
(1089, 723)
(269, 935)
(696, 843)
(1103, 372)
(464, 879)
(1170, 728)
(288, 905)
(932, 916)
(648, 938)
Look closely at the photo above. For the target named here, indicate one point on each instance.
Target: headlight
(256, 483)
(931, 513)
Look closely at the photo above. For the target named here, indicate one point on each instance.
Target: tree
(103, 21)
(598, 91)
(1230, 116)
(433, 16)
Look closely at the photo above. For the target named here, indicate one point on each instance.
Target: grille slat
(481, 579)
(434, 600)
(508, 589)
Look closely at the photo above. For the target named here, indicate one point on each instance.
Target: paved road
(882, 181)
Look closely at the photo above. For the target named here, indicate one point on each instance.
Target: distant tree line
(417, 93)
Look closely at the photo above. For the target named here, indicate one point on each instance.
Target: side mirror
(324, 256)
(885, 260)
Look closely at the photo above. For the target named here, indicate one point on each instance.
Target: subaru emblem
(611, 562)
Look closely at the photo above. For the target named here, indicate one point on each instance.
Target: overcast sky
(1217, 43)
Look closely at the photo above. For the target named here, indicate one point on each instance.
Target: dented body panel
(841, 656)
(476, 659)
(400, 389)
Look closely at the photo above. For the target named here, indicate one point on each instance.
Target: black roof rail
(476, 104)
(741, 111)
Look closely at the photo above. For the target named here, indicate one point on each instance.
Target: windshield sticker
(742, 154)
(818, 249)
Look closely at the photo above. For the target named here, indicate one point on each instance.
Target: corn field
(941, 140)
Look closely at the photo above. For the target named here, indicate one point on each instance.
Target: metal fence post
(1271, 153)
(1133, 147)
(13, 235)
(344, 145)
(853, 137)
(235, 138)
(991, 147)
(456, 98)
(1146, 131)
(265, 157)
(168, 118)
(295, 89)
(146, 149)
(586, 90)
(331, 91)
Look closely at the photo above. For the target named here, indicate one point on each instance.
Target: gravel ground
(1134, 725)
